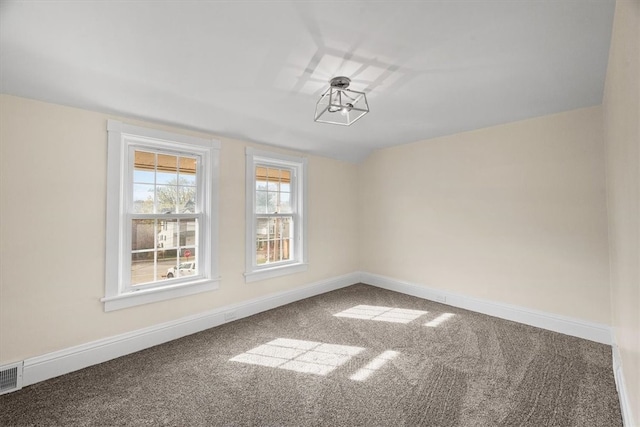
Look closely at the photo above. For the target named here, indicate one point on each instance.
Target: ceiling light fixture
(349, 103)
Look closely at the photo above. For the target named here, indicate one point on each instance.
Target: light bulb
(345, 110)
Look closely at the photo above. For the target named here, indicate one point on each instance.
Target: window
(276, 220)
(161, 216)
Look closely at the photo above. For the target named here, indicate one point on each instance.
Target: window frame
(298, 167)
(123, 140)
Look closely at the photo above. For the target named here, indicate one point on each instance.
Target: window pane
(186, 199)
(142, 198)
(273, 174)
(167, 169)
(144, 161)
(261, 201)
(262, 228)
(272, 202)
(142, 234)
(187, 170)
(273, 179)
(173, 256)
(277, 182)
(143, 176)
(285, 203)
(262, 239)
(172, 177)
(273, 240)
(168, 235)
(143, 268)
(185, 268)
(261, 173)
(188, 232)
(166, 198)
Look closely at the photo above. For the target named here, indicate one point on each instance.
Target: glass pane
(144, 161)
(167, 252)
(143, 177)
(261, 173)
(262, 228)
(278, 184)
(188, 232)
(142, 234)
(279, 250)
(167, 178)
(284, 228)
(143, 268)
(262, 234)
(189, 180)
(187, 199)
(261, 251)
(187, 170)
(285, 203)
(273, 240)
(163, 248)
(185, 268)
(168, 236)
(187, 254)
(142, 198)
(166, 197)
(167, 170)
(273, 174)
(272, 205)
(261, 201)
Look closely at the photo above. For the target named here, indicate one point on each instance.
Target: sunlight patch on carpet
(374, 365)
(384, 314)
(440, 319)
(308, 357)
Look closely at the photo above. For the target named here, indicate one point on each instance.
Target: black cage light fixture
(340, 105)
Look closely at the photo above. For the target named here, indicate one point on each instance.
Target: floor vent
(10, 378)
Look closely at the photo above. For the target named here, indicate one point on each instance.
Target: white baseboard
(61, 362)
(625, 401)
(578, 328)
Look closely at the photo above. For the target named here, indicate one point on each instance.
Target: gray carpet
(379, 364)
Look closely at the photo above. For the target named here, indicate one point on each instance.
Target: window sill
(269, 273)
(132, 299)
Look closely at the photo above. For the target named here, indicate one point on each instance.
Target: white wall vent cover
(10, 378)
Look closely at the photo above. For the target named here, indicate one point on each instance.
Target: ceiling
(253, 70)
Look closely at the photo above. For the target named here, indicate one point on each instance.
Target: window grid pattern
(164, 216)
(274, 215)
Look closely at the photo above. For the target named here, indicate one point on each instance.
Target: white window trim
(253, 272)
(120, 135)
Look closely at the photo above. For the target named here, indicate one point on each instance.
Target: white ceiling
(254, 70)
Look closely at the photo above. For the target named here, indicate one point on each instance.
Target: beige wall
(53, 163)
(621, 107)
(513, 213)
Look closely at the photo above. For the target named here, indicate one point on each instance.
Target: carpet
(358, 356)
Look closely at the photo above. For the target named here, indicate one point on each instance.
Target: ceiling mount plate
(340, 82)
